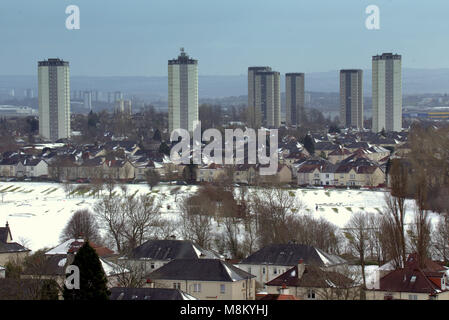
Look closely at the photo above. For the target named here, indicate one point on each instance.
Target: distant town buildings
(123, 106)
(387, 92)
(294, 98)
(254, 118)
(88, 100)
(54, 99)
(182, 92)
(351, 98)
(264, 97)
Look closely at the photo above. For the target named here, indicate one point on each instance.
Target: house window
(197, 287)
(177, 285)
(275, 271)
(327, 175)
(222, 288)
(152, 265)
(413, 297)
(311, 294)
(263, 270)
(352, 176)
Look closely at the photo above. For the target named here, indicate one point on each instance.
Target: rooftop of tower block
(53, 62)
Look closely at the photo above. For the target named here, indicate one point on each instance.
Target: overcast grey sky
(137, 37)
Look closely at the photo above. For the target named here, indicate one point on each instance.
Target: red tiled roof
(412, 278)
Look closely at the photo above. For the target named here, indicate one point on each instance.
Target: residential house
(58, 258)
(309, 171)
(205, 279)
(310, 282)
(273, 260)
(8, 166)
(358, 170)
(119, 169)
(10, 250)
(209, 173)
(413, 282)
(338, 154)
(153, 254)
(245, 173)
(283, 175)
(32, 168)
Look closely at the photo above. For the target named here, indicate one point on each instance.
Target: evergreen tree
(92, 277)
(164, 148)
(157, 135)
(309, 144)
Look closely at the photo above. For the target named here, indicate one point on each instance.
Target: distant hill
(415, 81)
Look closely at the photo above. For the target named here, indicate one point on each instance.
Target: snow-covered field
(38, 212)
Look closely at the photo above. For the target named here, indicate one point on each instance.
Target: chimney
(284, 290)
(301, 268)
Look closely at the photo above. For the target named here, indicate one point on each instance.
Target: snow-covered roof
(63, 248)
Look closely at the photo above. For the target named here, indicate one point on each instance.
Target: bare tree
(196, 219)
(274, 209)
(419, 234)
(83, 224)
(112, 218)
(393, 227)
(441, 238)
(130, 275)
(142, 219)
(357, 232)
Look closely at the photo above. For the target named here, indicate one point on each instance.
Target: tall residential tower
(294, 98)
(182, 92)
(54, 99)
(351, 98)
(387, 92)
(264, 97)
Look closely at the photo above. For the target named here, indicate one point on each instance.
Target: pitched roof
(4, 232)
(55, 265)
(171, 249)
(200, 270)
(414, 279)
(73, 245)
(314, 277)
(7, 247)
(290, 254)
(12, 247)
(148, 294)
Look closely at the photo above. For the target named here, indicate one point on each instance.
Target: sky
(137, 37)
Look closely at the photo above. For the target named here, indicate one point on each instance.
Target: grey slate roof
(290, 254)
(148, 294)
(200, 270)
(169, 250)
(11, 247)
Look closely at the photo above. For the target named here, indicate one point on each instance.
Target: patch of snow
(323, 258)
(62, 262)
(63, 248)
(232, 274)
